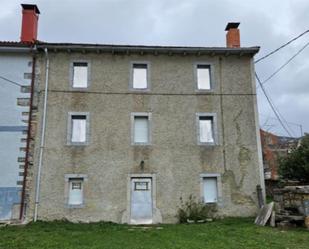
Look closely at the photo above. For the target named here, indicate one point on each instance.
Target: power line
(11, 81)
(286, 63)
(291, 123)
(272, 105)
(270, 117)
(287, 124)
(284, 45)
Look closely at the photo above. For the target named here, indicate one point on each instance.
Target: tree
(296, 165)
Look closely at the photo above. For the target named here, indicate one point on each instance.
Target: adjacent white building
(16, 67)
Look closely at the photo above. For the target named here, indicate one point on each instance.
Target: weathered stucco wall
(174, 155)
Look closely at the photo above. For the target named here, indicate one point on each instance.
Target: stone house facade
(129, 130)
(124, 132)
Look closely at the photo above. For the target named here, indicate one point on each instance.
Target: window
(211, 188)
(78, 128)
(139, 77)
(76, 191)
(140, 128)
(80, 75)
(141, 186)
(203, 76)
(206, 129)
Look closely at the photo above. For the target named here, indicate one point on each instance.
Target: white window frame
(219, 187)
(141, 114)
(71, 177)
(211, 76)
(72, 74)
(131, 87)
(69, 128)
(215, 128)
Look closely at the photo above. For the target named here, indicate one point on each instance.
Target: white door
(141, 201)
(210, 190)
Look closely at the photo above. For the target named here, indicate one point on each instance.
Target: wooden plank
(264, 214)
(289, 217)
(273, 219)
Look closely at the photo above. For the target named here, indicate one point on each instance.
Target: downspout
(23, 193)
(37, 191)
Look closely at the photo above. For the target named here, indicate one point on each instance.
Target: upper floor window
(78, 128)
(207, 128)
(80, 74)
(139, 76)
(141, 128)
(203, 77)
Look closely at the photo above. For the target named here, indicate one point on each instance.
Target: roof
(91, 47)
(14, 44)
(146, 49)
(16, 47)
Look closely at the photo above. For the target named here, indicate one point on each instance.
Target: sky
(264, 23)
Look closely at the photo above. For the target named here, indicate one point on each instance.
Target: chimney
(29, 27)
(232, 35)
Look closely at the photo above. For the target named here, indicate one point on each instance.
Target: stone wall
(174, 157)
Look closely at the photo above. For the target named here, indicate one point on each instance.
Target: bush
(195, 210)
(296, 165)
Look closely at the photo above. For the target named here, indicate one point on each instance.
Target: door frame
(156, 216)
(133, 182)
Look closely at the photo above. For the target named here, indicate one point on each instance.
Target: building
(275, 147)
(124, 132)
(16, 78)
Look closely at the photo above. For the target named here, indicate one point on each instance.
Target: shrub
(296, 165)
(195, 210)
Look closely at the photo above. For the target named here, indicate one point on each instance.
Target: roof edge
(146, 48)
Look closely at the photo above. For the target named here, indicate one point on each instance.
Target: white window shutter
(80, 76)
(79, 130)
(210, 189)
(141, 133)
(206, 131)
(140, 78)
(203, 78)
(76, 193)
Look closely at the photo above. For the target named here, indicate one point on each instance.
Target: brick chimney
(232, 35)
(29, 27)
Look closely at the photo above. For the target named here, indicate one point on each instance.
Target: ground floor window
(211, 187)
(74, 190)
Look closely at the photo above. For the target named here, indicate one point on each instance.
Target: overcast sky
(265, 23)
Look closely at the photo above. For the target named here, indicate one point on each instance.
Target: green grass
(228, 233)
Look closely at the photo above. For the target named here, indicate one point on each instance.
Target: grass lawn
(228, 233)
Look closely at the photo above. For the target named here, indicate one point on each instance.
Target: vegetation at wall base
(195, 210)
(231, 233)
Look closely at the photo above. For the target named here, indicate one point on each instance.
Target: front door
(141, 201)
